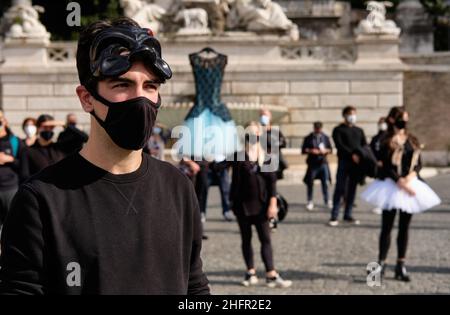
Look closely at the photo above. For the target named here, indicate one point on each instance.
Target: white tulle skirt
(386, 195)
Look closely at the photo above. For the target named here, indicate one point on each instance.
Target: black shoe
(351, 220)
(401, 273)
(204, 237)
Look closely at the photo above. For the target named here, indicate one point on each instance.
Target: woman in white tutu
(399, 188)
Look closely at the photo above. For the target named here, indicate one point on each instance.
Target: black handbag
(283, 207)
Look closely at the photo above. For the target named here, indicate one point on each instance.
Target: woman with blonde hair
(253, 197)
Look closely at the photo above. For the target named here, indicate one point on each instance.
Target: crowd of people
(95, 215)
(385, 159)
(22, 158)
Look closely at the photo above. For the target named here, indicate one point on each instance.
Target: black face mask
(130, 123)
(46, 134)
(400, 124)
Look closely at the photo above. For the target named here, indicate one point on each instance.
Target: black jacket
(311, 142)
(348, 139)
(14, 173)
(251, 189)
(390, 170)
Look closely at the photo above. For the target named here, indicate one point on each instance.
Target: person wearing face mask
(375, 145)
(317, 146)
(274, 139)
(348, 139)
(377, 140)
(30, 130)
(108, 219)
(156, 143)
(400, 188)
(253, 197)
(13, 168)
(44, 151)
(71, 139)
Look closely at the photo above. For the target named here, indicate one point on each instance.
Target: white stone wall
(309, 95)
(29, 95)
(312, 89)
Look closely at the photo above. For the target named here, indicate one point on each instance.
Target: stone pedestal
(377, 48)
(28, 52)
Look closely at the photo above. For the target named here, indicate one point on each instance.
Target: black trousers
(387, 222)
(263, 229)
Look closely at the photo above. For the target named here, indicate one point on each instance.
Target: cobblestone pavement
(325, 260)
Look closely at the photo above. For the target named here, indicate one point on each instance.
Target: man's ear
(85, 98)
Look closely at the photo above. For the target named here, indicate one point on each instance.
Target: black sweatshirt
(11, 174)
(137, 233)
(347, 139)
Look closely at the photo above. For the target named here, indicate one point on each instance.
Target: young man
(317, 146)
(109, 219)
(347, 138)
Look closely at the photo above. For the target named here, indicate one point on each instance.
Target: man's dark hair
(87, 36)
(42, 119)
(347, 110)
(318, 125)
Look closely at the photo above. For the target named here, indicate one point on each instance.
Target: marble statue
(376, 22)
(195, 18)
(21, 20)
(148, 15)
(261, 16)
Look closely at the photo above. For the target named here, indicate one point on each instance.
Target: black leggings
(262, 227)
(402, 236)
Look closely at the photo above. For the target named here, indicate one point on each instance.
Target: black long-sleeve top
(347, 139)
(12, 174)
(39, 157)
(251, 189)
(77, 229)
(390, 170)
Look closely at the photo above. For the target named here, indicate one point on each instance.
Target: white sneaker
(228, 216)
(250, 279)
(310, 206)
(333, 223)
(330, 204)
(203, 217)
(377, 210)
(278, 282)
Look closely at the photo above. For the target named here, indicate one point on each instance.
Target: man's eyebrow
(156, 81)
(126, 80)
(120, 80)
